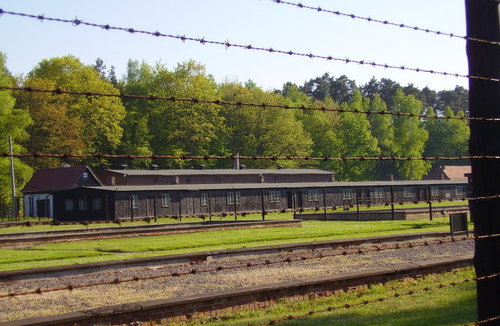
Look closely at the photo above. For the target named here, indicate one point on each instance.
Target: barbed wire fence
(472, 76)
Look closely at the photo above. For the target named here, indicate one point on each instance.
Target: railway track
(168, 292)
(208, 256)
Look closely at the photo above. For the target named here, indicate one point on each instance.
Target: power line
(383, 22)
(194, 100)
(227, 44)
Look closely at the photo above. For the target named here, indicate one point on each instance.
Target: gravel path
(12, 308)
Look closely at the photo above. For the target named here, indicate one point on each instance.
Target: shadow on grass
(455, 312)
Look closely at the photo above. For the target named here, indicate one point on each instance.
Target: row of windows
(274, 197)
(69, 204)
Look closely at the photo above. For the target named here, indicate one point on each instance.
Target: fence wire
(227, 44)
(194, 100)
(384, 22)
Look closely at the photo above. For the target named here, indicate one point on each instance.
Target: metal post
(357, 204)
(392, 203)
(12, 180)
(234, 203)
(131, 207)
(209, 206)
(324, 202)
(294, 206)
(154, 204)
(484, 101)
(262, 202)
(429, 201)
(180, 206)
(106, 206)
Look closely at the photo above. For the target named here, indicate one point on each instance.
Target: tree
(96, 119)
(447, 137)
(262, 131)
(13, 122)
(54, 131)
(167, 127)
(409, 137)
(457, 99)
(383, 130)
(355, 139)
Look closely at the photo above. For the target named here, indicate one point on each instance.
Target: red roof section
(456, 172)
(55, 179)
(448, 172)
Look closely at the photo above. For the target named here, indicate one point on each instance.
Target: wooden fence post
(484, 101)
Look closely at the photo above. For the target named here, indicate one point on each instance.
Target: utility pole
(12, 180)
(484, 101)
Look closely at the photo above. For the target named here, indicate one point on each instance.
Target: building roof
(220, 172)
(55, 179)
(297, 185)
(449, 172)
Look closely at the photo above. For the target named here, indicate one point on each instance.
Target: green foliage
(88, 124)
(448, 137)
(13, 122)
(171, 128)
(95, 121)
(354, 138)
(410, 137)
(262, 131)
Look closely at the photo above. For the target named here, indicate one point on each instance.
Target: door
(42, 208)
(289, 199)
(150, 208)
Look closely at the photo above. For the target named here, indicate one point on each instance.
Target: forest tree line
(62, 123)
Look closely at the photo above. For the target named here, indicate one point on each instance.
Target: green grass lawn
(79, 252)
(455, 305)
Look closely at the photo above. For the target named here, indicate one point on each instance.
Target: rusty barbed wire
(485, 321)
(251, 157)
(356, 251)
(227, 44)
(370, 301)
(59, 91)
(384, 22)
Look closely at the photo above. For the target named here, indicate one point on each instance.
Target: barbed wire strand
(227, 44)
(345, 252)
(370, 301)
(384, 22)
(58, 91)
(251, 157)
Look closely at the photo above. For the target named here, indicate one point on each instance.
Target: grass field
(455, 305)
(114, 249)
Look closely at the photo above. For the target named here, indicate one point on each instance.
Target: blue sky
(256, 22)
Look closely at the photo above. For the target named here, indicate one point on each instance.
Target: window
(434, 191)
(68, 204)
(134, 201)
(346, 194)
(230, 198)
(85, 175)
(81, 204)
(274, 196)
(204, 199)
(459, 191)
(407, 192)
(313, 195)
(96, 204)
(379, 193)
(165, 200)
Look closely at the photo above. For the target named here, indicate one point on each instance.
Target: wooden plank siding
(158, 203)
